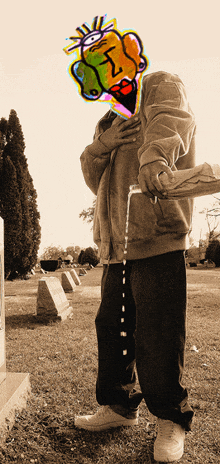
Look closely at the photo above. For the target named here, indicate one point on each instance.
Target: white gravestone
(68, 283)
(14, 387)
(75, 277)
(52, 303)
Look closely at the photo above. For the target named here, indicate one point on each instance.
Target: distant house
(67, 259)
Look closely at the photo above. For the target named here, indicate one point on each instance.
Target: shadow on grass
(29, 321)
(115, 445)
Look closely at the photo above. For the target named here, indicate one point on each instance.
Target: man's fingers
(156, 190)
(168, 171)
(149, 189)
(156, 187)
(134, 130)
(130, 129)
(150, 177)
(144, 187)
(130, 139)
(169, 177)
(129, 122)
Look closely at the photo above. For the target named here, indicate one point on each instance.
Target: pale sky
(179, 37)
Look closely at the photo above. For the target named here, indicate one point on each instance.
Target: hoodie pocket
(173, 216)
(142, 219)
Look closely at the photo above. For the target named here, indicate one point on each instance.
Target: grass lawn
(61, 358)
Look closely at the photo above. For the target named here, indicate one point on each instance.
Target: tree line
(81, 256)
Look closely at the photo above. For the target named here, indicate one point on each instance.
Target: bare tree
(88, 214)
(212, 220)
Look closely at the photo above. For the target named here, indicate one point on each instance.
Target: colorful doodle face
(110, 66)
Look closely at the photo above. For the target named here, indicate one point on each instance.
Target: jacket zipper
(112, 159)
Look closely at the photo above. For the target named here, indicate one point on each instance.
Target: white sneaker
(169, 444)
(105, 418)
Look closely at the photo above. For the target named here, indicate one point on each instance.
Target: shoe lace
(165, 429)
(102, 411)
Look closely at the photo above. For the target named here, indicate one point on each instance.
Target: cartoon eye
(92, 38)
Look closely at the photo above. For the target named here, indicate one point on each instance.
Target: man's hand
(149, 179)
(124, 131)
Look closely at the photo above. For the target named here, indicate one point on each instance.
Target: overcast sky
(179, 37)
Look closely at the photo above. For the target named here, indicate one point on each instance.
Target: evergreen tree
(14, 162)
(89, 256)
(80, 257)
(213, 252)
(34, 230)
(11, 212)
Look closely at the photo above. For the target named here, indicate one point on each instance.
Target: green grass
(62, 361)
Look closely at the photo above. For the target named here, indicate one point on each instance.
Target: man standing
(141, 319)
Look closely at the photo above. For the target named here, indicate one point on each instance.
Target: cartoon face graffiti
(110, 65)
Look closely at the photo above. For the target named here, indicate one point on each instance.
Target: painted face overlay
(109, 66)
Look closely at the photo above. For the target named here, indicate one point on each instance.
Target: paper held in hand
(190, 183)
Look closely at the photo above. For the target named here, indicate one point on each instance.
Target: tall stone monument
(14, 388)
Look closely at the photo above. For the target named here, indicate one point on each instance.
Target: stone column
(14, 388)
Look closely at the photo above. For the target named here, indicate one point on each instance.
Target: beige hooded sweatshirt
(167, 134)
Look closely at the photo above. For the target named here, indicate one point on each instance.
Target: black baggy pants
(142, 320)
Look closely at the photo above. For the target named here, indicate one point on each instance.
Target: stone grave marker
(52, 303)
(14, 387)
(75, 277)
(68, 283)
(82, 271)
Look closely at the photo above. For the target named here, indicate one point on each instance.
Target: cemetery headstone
(75, 277)
(67, 281)
(14, 387)
(52, 303)
(82, 271)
